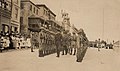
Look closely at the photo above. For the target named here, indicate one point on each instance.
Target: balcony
(5, 13)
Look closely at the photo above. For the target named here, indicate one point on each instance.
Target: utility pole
(103, 26)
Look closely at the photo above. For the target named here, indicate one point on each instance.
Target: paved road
(24, 60)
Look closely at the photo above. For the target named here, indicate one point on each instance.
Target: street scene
(22, 60)
(62, 35)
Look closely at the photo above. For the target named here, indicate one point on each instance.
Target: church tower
(66, 21)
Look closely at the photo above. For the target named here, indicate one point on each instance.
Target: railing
(5, 12)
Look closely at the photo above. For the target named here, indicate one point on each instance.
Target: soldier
(99, 44)
(65, 42)
(79, 45)
(69, 42)
(44, 44)
(73, 43)
(58, 41)
(41, 44)
(32, 42)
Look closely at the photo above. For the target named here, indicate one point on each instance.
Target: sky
(91, 15)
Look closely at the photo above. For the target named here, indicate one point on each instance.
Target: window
(34, 9)
(44, 12)
(5, 4)
(22, 6)
(33, 25)
(37, 12)
(21, 20)
(12, 29)
(5, 28)
(30, 7)
(16, 13)
(9, 7)
(15, 29)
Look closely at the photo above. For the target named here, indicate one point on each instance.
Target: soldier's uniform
(41, 47)
(45, 43)
(79, 46)
(99, 45)
(69, 42)
(32, 42)
(58, 42)
(65, 43)
(73, 44)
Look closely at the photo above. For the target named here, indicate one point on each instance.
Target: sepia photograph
(59, 35)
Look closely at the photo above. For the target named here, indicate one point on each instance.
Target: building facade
(39, 23)
(14, 7)
(28, 9)
(5, 17)
(45, 25)
(50, 18)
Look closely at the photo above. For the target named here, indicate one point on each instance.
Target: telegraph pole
(103, 26)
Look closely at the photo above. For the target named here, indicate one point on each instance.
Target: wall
(26, 12)
(15, 15)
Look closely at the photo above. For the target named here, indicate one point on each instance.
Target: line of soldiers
(71, 44)
(75, 44)
(46, 43)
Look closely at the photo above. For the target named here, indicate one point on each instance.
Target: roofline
(46, 8)
(31, 2)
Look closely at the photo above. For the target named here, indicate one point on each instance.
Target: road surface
(24, 60)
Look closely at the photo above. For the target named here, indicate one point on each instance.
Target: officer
(73, 43)
(58, 43)
(65, 42)
(79, 45)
